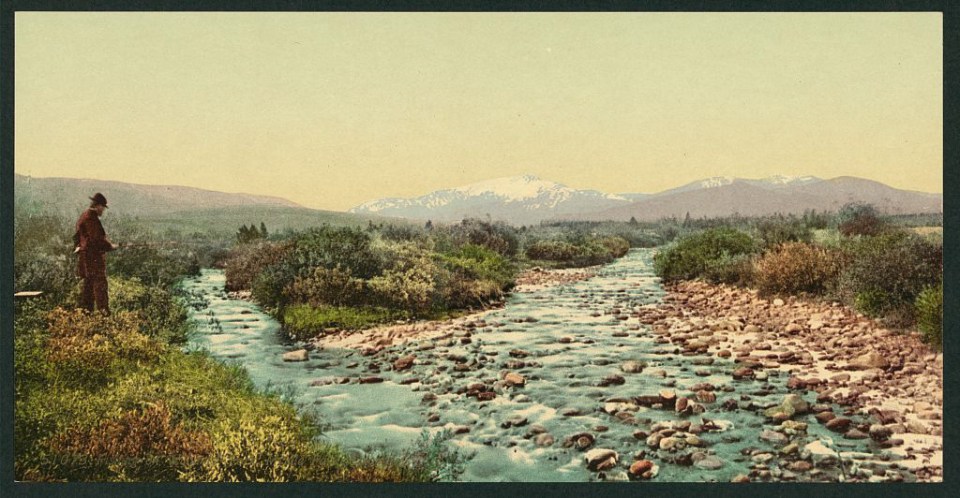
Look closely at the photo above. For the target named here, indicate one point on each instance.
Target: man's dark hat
(98, 198)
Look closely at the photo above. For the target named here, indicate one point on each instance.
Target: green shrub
(331, 287)
(773, 233)
(884, 274)
(930, 315)
(736, 270)
(161, 315)
(860, 219)
(302, 321)
(796, 267)
(256, 448)
(691, 256)
(248, 261)
(495, 236)
(552, 250)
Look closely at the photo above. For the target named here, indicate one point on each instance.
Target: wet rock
(671, 443)
(404, 363)
(514, 379)
(777, 438)
(839, 424)
(632, 367)
(880, 433)
(514, 421)
(543, 440)
(855, 434)
(824, 417)
(640, 467)
(612, 380)
(709, 463)
(298, 355)
(706, 396)
(600, 459)
(743, 373)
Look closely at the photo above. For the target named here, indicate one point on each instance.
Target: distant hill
(70, 196)
(183, 209)
(748, 198)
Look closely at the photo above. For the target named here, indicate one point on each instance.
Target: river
(570, 343)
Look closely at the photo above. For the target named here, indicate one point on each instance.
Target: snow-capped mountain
(523, 200)
(518, 199)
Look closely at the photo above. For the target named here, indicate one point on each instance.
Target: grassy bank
(115, 398)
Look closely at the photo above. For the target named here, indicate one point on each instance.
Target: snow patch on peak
(789, 180)
(513, 188)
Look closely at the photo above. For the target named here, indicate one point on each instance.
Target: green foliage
(773, 233)
(859, 219)
(735, 270)
(248, 261)
(248, 234)
(161, 315)
(335, 287)
(256, 447)
(885, 274)
(796, 267)
(43, 259)
(495, 236)
(929, 305)
(303, 321)
(692, 255)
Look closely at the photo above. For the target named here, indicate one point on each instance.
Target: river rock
(514, 379)
(404, 363)
(638, 468)
(777, 438)
(600, 459)
(839, 424)
(880, 433)
(743, 373)
(544, 440)
(632, 367)
(298, 355)
(855, 434)
(709, 462)
(612, 380)
(869, 360)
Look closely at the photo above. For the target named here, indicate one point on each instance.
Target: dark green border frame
(951, 155)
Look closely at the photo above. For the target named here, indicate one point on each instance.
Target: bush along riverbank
(115, 398)
(884, 271)
(328, 279)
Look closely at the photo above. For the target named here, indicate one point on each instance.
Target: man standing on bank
(92, 245)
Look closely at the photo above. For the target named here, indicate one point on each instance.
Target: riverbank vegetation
(117, 398)
(350, 278)
(884, 267)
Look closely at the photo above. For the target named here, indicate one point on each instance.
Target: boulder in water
(298, 355)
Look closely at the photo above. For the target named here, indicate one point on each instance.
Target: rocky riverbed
(616, 378)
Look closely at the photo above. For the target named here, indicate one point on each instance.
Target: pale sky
(334, 109)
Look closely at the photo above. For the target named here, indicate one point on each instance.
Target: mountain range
(520, 200)
(528, 199)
